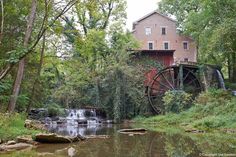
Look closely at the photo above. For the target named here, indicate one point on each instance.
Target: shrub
(55, 110)
(217, 96)
(230, 85)
(12, 125)
(177, 101)
(210, 122)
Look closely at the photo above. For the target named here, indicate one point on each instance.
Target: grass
(23, 153)
(12, 125)
(213, 110)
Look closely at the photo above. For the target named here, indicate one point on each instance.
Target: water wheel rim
(174, 85)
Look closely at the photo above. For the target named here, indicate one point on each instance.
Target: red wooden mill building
(163, 57)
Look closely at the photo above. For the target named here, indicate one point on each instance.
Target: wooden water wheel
(178, 78)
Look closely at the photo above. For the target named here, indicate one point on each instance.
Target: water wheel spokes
(169, 79)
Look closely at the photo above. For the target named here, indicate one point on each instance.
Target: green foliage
(100, 14)
(177, 101)
(211, 24)
(85, 67)
(211, 95)
(12, 126)
(22, 102)
(217, 112)
(5, 89)
(15, 55)
(230, 85)
(31, 153)
(55, 110)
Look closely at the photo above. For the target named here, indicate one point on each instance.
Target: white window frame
(148, 30)
(152, 42)
(164, 45)
(165, 30)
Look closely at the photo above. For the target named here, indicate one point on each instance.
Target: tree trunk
(67, 102)
(233, 77)
(4, 71)
(2, 21)
(98, 98)
(36, 81)
(21, 67)
(229, 66)
(117, 98)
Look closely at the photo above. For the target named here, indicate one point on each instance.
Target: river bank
(12, 126)
(214, 110)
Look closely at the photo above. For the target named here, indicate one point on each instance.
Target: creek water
(150, 144)
(166, 142)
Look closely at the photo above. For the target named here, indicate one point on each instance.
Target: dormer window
(148, 31)
(163, 30)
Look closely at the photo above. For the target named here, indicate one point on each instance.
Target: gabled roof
(152, 13)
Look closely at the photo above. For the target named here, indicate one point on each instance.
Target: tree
(211, 24)
(20, 72)
(98, 14)
(18, 53)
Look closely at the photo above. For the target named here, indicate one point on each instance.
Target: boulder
(26, 139)
(55, 138)
(10, 142)
(34, 124)
(71, 152)
(17, 146)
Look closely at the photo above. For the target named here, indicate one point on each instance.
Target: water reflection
(83, 130)
(151, 144)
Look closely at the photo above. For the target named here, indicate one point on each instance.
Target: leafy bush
(177, 101)
(55, 110)
(213, 95)
(230, 85)
(210, 122)
(12, 125)
(213, 109)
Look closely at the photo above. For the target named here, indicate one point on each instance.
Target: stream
(160, 143)
(151, 144)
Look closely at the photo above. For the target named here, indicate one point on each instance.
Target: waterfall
(82, 116)
(79, 122)
(221, 80)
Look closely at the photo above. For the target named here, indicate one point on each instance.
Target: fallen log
(132, 130)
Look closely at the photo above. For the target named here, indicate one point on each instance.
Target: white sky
(139, 8)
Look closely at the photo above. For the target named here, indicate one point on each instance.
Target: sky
(139, 8)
